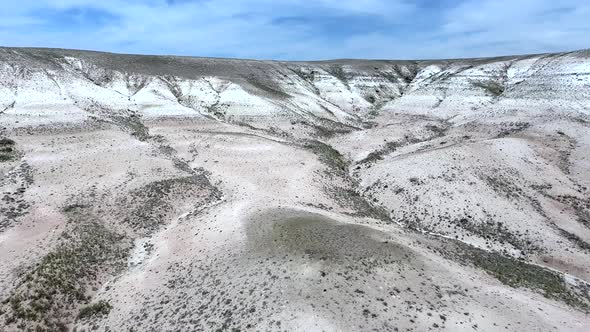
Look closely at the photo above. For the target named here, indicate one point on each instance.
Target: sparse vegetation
(7, 151)
(327, 132)
(327, 128)
(576, 239)
(174, 87)
(305, 75)
(147, 207)
(493, 87)
(60, 282)
(267, 85)
(12, 204)
(338, 72)
(97, 75)
(134, 124)
(328, 155)
(510, 128)
(390, 76)
(408, 72)
(517, 273)
(581, 207)
(388, 148)
(358, 203)
(4, 142)
(392, 146)
(218, 110)
(496, 232)
(346, 196)
(100, 308)
(135, 83)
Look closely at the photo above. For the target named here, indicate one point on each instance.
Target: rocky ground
(142, 193)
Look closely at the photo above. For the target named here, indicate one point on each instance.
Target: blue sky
(299, 29)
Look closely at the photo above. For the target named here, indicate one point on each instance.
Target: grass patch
(327, 128)
(6, 142)
(146, 208)
(519, 274)
(338, 72)
(5, 157)
(407, 73)
(328, 132)
(327, 155)
(495, 231)
(510, 128)
(362, 207)
(580, 206)
(50, 292)
(346, 197)
(134, 124)
(304, 75)
(267, 85)
(390, 76)
(98, 309)
(7, 152)
(575, 239)
(492, 87)
(388, 148)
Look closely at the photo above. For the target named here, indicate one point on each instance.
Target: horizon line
(274, 60)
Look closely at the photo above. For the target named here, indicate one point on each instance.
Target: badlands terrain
(159, 193)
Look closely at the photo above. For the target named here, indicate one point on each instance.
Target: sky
(300, 29)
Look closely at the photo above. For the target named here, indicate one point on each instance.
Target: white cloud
(244, 29)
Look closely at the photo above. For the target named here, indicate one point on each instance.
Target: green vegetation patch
(147, 207)
(5, 157)
(345, 196)
(492, 87)
(327, 155)
(338, 72)
(576, 240)
(56, 286)
(330, 131)
(358, 203)
(390, 147)
(580, 206)
(304, 75)
(517, 273)
(511, 128)
(407, 72)
(374, 156)
(134, 124)
(267, 85)
(7, 151)
(4, 142)
(98, 309)
(327, 128)
(497, 232)
(390, 76)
